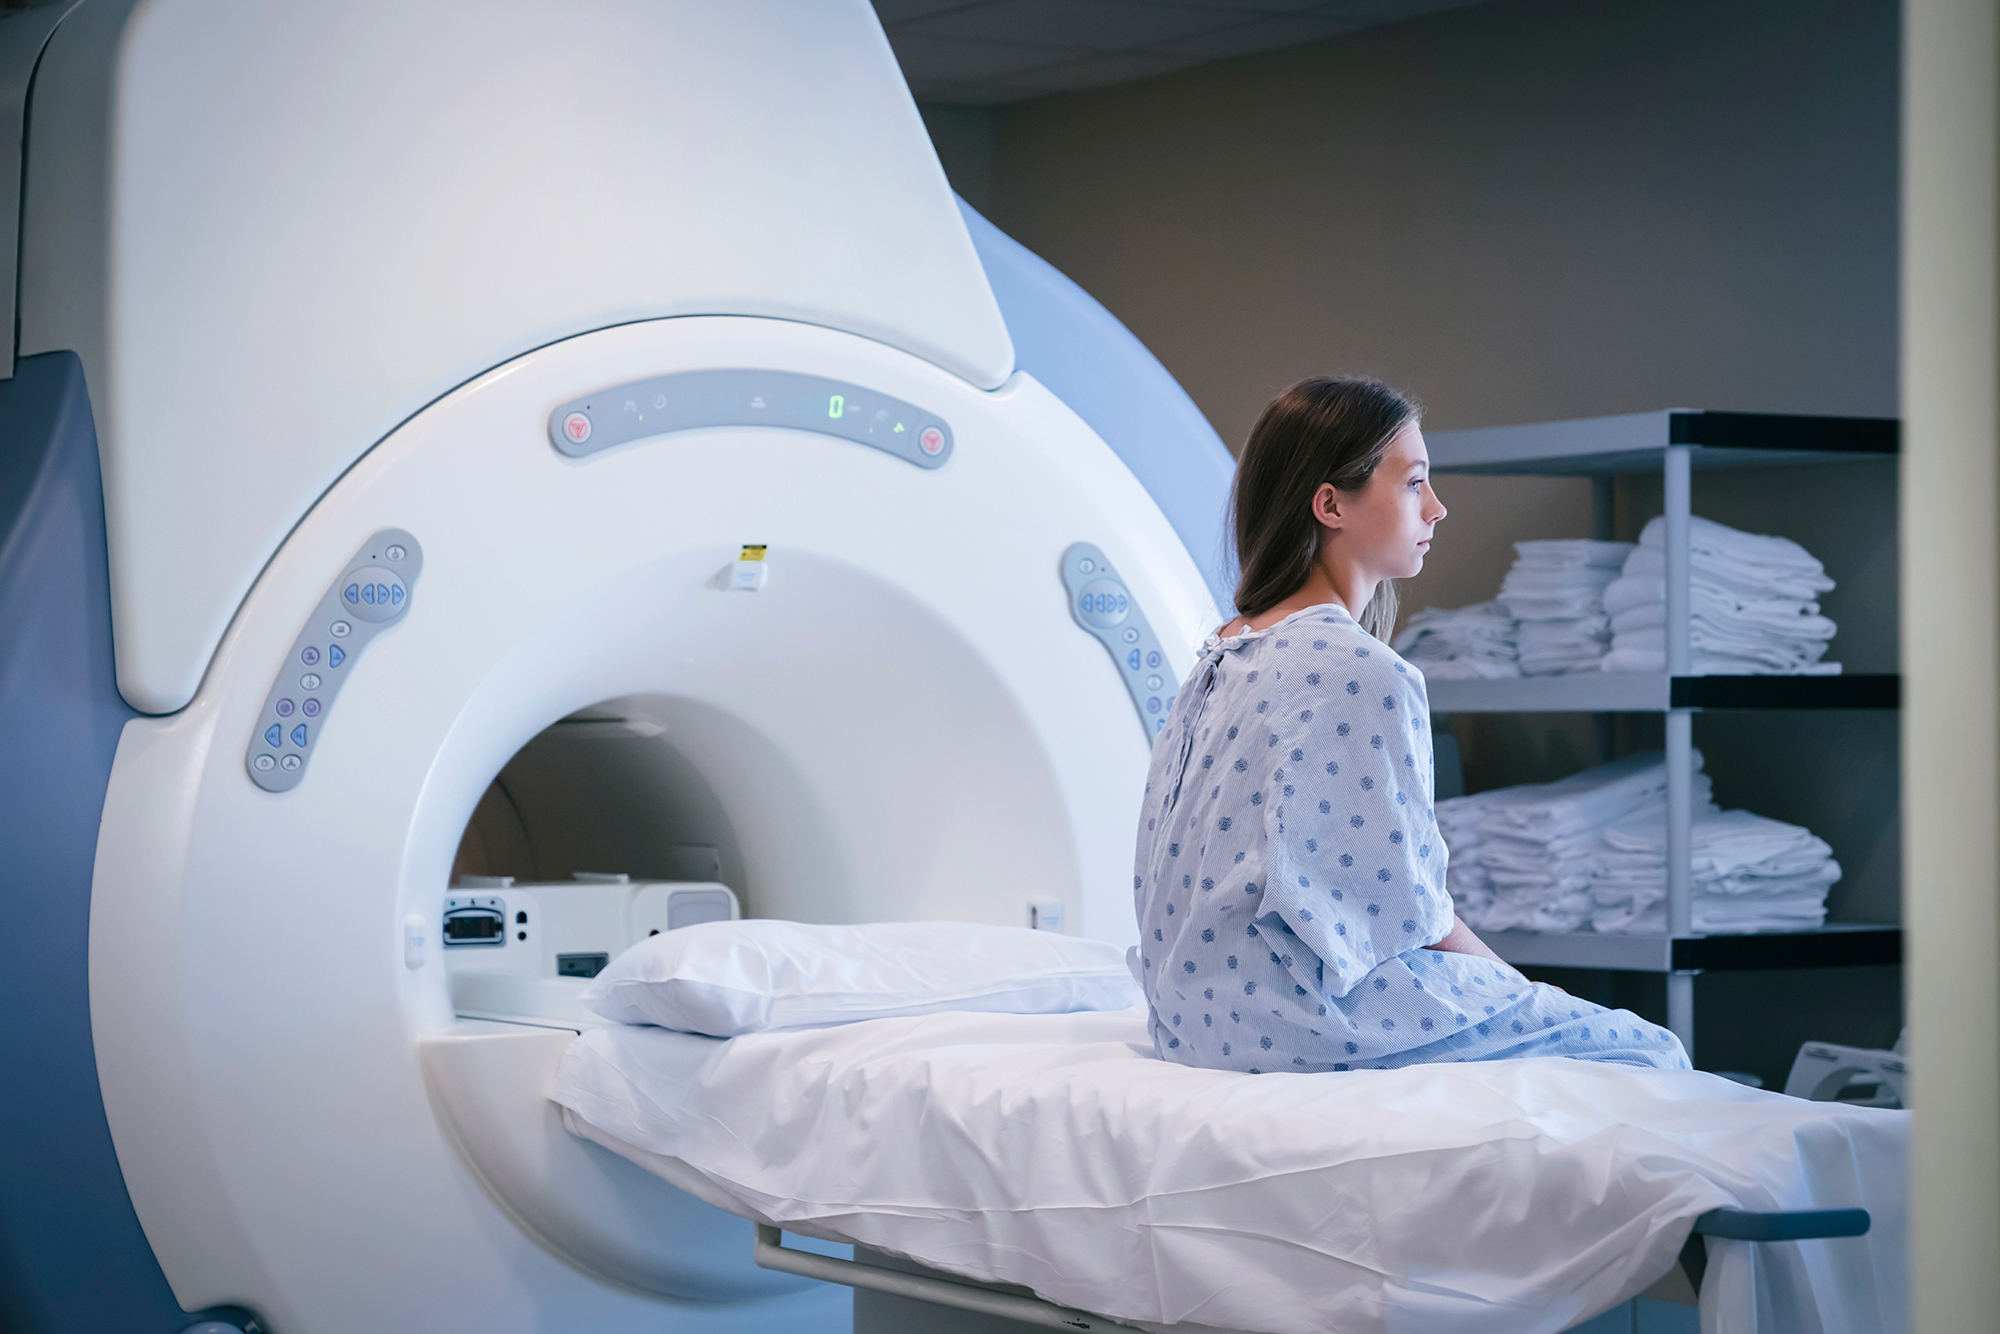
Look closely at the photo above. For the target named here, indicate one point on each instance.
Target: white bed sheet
(1056, 1152)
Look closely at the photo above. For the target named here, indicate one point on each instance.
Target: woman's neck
(1347, 589)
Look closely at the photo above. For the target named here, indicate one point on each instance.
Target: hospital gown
(1290, 872)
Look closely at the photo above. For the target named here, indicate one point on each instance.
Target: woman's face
(1383, 530)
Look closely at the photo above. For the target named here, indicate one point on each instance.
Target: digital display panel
(696, 399)
(473, 926)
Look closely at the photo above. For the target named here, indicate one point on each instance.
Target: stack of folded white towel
(1589, 853)
(1465, 875)
(1538, 844)
(1461, 642)
(1753, 602)
(1556, 590)
(1750, 874)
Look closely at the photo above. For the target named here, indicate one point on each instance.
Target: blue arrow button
(352, 592)
(335, 655)
(274, 735)
(299, 735)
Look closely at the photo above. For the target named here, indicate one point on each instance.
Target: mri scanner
(484, 483)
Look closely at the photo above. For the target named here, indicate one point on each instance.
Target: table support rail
(962, 1294)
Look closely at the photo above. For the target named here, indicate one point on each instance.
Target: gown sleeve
(1357, 867)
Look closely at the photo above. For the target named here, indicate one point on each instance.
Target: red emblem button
(931, 441)
(576, 426)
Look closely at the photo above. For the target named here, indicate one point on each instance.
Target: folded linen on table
(1055, 1152)
(726, 978)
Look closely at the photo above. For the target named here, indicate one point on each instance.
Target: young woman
(1291, 879)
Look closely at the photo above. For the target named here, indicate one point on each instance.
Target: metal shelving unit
(1638, 692)
(1674, 442)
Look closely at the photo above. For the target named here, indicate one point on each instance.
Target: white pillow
(726, 978)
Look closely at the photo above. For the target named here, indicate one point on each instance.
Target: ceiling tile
(1263, 34)
(934, 59)
(1387, 11)
(1104, 25)
(991, 93)
(993, 51)
(1250, 8)
(1095, 71)
(902, 11)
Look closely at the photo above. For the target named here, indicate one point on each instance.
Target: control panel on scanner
(524, 951)
(370, 595)
(1103, 606)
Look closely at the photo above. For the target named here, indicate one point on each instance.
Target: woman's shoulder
(1332, 639)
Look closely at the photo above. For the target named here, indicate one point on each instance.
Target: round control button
(374, 594)
(1153, 704)
(1153, 658)
(1103, 603)
(341, 630)
(1131, 635)
(396, 552)
(1152, 683)
(1086, 566)
(283, 708)
(309, 656)
(576, 428)
(931, 441)
(290, 764)
(263, 764)
(311, 707)
(310, 681)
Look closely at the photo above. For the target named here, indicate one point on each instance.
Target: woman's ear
(1326, 505)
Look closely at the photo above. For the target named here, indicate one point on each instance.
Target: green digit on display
(835, 406)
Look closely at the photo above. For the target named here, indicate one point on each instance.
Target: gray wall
(1522, 211)
(1525, 210)
(1531, 210)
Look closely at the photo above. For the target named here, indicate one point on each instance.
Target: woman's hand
(1460, 940)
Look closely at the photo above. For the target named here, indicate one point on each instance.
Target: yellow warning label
(755, 552)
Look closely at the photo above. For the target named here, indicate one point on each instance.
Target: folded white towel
(1709, 538)
(1589, 853)
(1753, 605)
(1749, 873)
(1462, 642)
(1747, 580)
(1556, 590)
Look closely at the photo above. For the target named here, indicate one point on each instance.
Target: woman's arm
(1460, 940)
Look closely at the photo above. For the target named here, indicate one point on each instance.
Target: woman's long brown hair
(1320, 430)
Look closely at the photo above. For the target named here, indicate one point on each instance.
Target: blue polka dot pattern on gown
(1284, 911)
